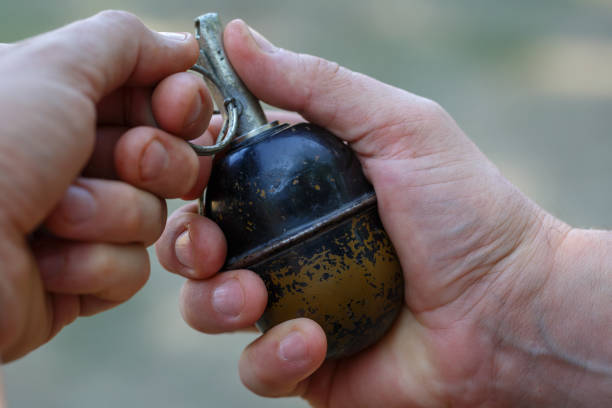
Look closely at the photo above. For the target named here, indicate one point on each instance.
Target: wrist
(577, 314)
(554, 324)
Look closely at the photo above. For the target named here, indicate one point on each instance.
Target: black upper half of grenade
(282, 186)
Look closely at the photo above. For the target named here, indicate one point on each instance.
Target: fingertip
(179, 37)
(209, 246)
(276, 364)
(253, 38)
(107, 211)
(191, 246)
(155, 161)
(110, 272)
(179, 50)
(229, 301)
(322, 91)
(236, 27)
(121, 49)
(188, 44)
(262, 66)
(181, 105)
(242, 46)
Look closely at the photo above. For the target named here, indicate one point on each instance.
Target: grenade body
(296, 209)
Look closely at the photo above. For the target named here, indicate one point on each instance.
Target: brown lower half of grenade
(346, 278)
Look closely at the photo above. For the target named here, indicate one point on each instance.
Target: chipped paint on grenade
(347, 279)
(296, 208)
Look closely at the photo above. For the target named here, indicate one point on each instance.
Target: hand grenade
(296, 209)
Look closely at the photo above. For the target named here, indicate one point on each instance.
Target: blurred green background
(530, 82)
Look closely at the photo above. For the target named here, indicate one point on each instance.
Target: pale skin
(90, 145)
(499, 293)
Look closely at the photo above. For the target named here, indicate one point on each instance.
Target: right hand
(474, 250)
(91, 120)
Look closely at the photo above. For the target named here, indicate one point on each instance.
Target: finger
(227, 302)
(67, 307)
(191, 245)
(182, 105)
(347, 103)
(156, 161)
(83, 62)
(109, 273)
(127, 106)
(101, 164)
(179, 104)
(206, 139)
(119, 50)
(109, 211)
(277, 363)
(90, 305)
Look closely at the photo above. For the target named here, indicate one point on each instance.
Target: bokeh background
(529, 81)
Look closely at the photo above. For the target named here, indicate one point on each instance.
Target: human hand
(477, 256)
(91, 118)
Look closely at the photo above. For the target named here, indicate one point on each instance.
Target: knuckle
(326, 67)
(122, 21)
(429, 111)
(119, 16)
(329, 77)
(320, 68)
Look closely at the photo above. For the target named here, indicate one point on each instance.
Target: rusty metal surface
(271, 248)
(296, 208)
(285, 182)
(348, 279)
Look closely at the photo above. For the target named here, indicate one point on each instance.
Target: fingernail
(228, 299)
(195, 111)
(293, 347)
(184, 250)
(175, 36)
(154, 160)
(261, 41)
(78, 204)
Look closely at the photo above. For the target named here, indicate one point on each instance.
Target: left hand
(89, 119)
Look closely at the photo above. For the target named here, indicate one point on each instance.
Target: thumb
(103, 52)
(48, 93)
(355, 107)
